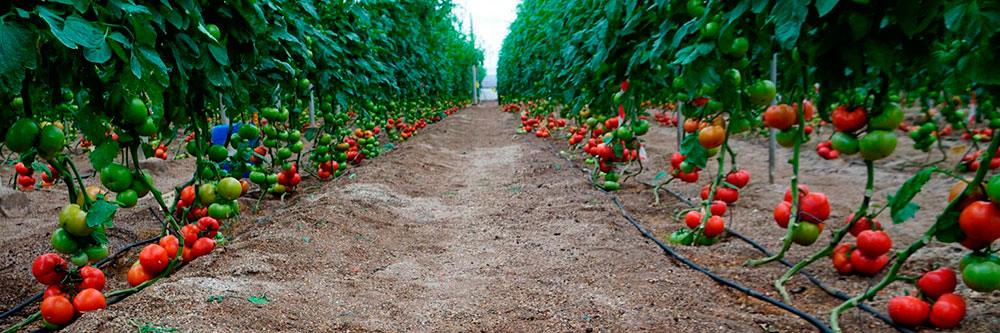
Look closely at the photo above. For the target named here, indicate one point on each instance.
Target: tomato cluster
(813, 210)
(665, 119)
(879, 142)
(825, 150)
(938, 287)
(25, 176)
(68, 292)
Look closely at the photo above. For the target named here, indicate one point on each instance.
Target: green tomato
(207, 194)
(116, 177)
(844, 143)
(982, 276)
(611, 185)
(135, 112)
(786, 137)
(217, 153)
(22, 135)
(229, 188)
(640, 127)
(889, 120)
(278, 189)
(272, 178)
(710, 30)
(296, 147)
(258, 178)
(219, 211)
(294, 135)
(128, 198)
(762, 92)
(74, 220)
(805, 233)
(52, 139)
(284, 153)
(993, 188)
(96, 252)
(63, 242)
(739, 47)
(877, 145)
(623, 134)
(147, 128)
(687, 167)
(79, 258)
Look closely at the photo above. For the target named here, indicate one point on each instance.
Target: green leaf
(99, 54)
(900, 204)
(262, 300)
(789, 16)
(219, 53)
(101, 212)
(18, 55)
(99, 236)
(135, 65)
(104, 154)
(82, 32)
(825, 6)
(693, 151)
(659, 175)
(949, 230)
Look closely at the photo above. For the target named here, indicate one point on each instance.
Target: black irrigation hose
(835, 292)
(669, 251)
(98, 265)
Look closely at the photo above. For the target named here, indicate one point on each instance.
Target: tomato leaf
(101, 212)
(789, 15)
(901, 206)
(99, 236)
(18, 54)
(104, 154)
(693, 151)
(825, 6)
(659, 175)
(948, 229)
(41, 167)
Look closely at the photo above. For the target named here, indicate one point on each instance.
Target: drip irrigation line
(669, 251)
(830, 290)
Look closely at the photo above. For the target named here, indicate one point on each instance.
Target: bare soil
(469, 227)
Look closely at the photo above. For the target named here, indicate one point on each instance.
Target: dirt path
(465, 227)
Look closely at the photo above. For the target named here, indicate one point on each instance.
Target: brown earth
(468, 226)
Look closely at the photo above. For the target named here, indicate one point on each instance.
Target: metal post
(475, 84)
(312, 108)
(772, 143)
(680, 124)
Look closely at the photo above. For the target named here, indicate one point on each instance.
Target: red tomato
(980, 221)
(92, 277)
(49, 269)
(803, 190)
(714, 227)
(89, 300)
(689, 177)
(814, 207)
(727, 195)
(170, 243)
(53, 290)
(849, 121)
(187, 194)
(782, 213)
(937, 282)
(840, 260)
(692, 219)
(908, 310)
(865, 265)
(22, 169)
(739, 179)
(861, 225)
(58, 310)
(190, 233)
(718, 208)
(154, 259)
(873, 243)
(202, 247)
(137, 275)
(187, 256)
(948, 311)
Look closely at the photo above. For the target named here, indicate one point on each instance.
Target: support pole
(771, 142)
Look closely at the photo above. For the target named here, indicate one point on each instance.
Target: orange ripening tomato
(711, 136)
(691, 125)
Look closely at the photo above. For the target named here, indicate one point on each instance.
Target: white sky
(490, 19)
